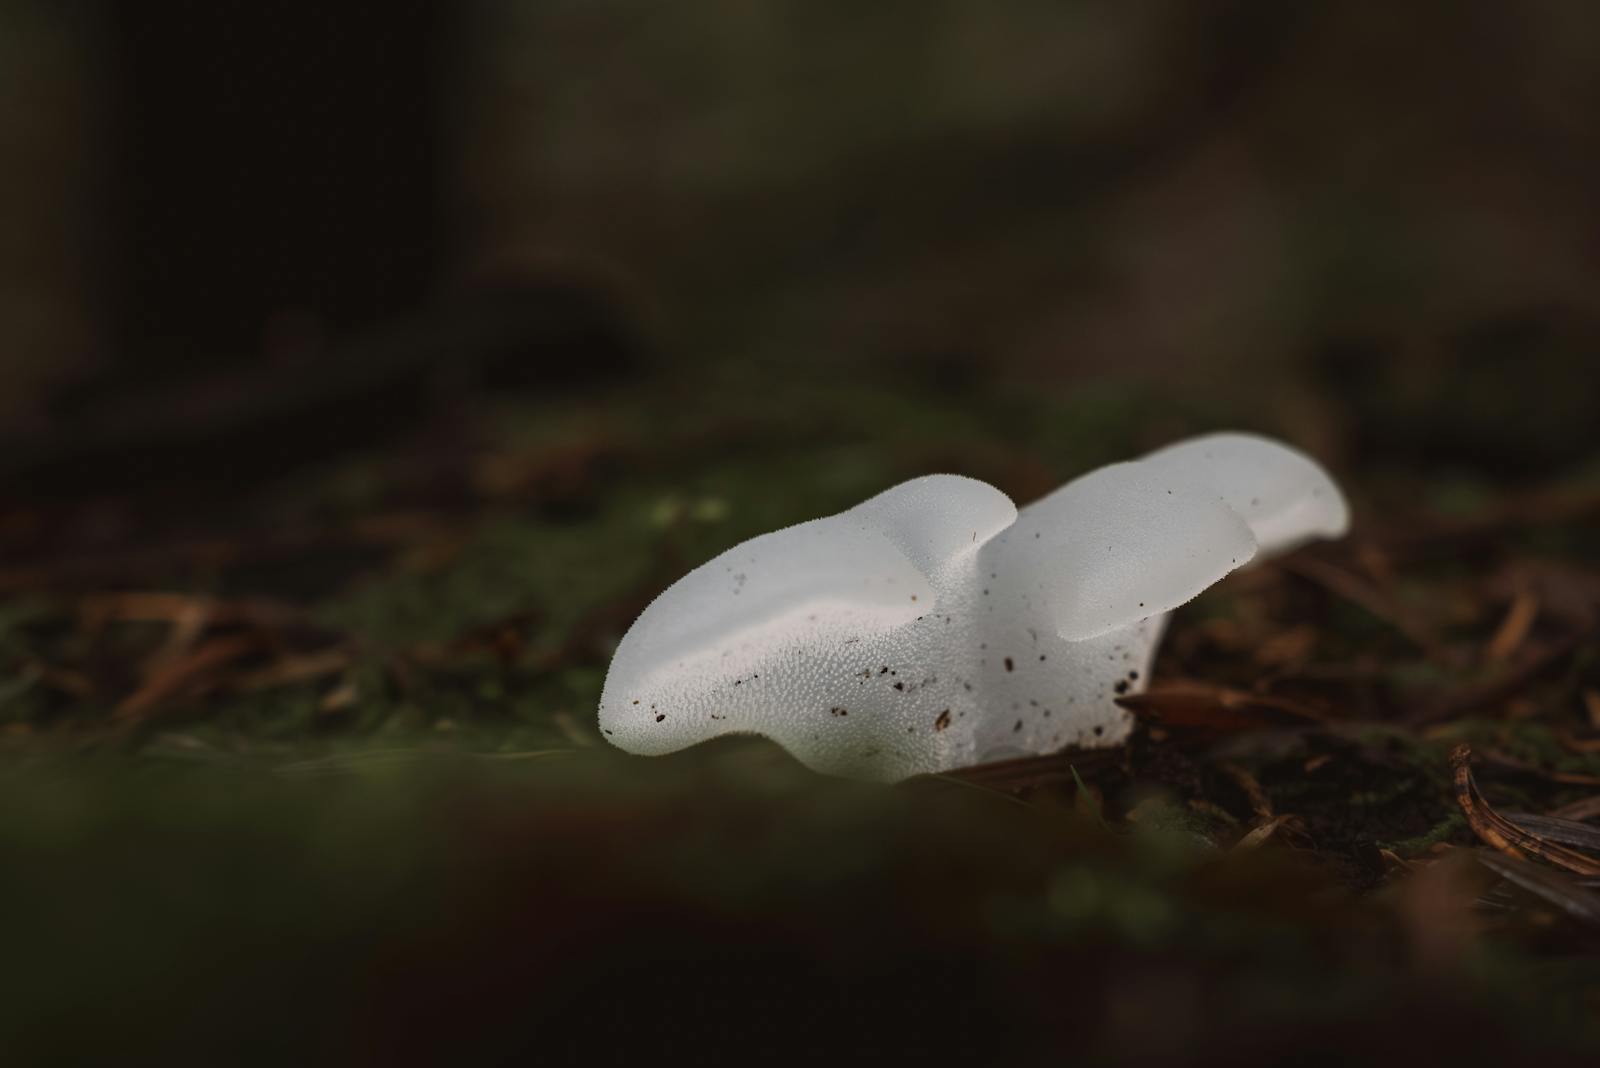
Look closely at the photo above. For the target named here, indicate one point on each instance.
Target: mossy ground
(312, 769)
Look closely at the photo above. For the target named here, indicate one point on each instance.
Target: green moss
(1449, 829)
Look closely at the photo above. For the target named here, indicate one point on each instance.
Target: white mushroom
(934, 626)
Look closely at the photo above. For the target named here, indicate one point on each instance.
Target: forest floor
(310, 762)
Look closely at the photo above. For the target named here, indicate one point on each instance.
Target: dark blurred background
(215, 217)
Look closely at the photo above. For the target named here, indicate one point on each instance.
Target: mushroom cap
(1284, 495)
(937, 519)
(747, 641)
(1133, 540)
(934, 624)
(1116, 546)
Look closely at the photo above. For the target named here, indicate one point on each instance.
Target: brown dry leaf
(188, 624)
(1214, 810)
(1288, 650)
(1260, 803)
(293, 669)
(1225, 634)
(1200, 705)
(73, 683)
(1260, 835)
(339, 698)
(172, 678)
(1514, 628)
(143, 607)
(1501, 833)
(1375, 561)
(1396, 861)
(1572, 743)
(1566, 591)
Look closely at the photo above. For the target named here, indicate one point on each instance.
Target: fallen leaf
(1198, 705)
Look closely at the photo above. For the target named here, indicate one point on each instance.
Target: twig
(1260, 803)
(1259, 836)
(170, 678)
(292, 669)
(1508, 637)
